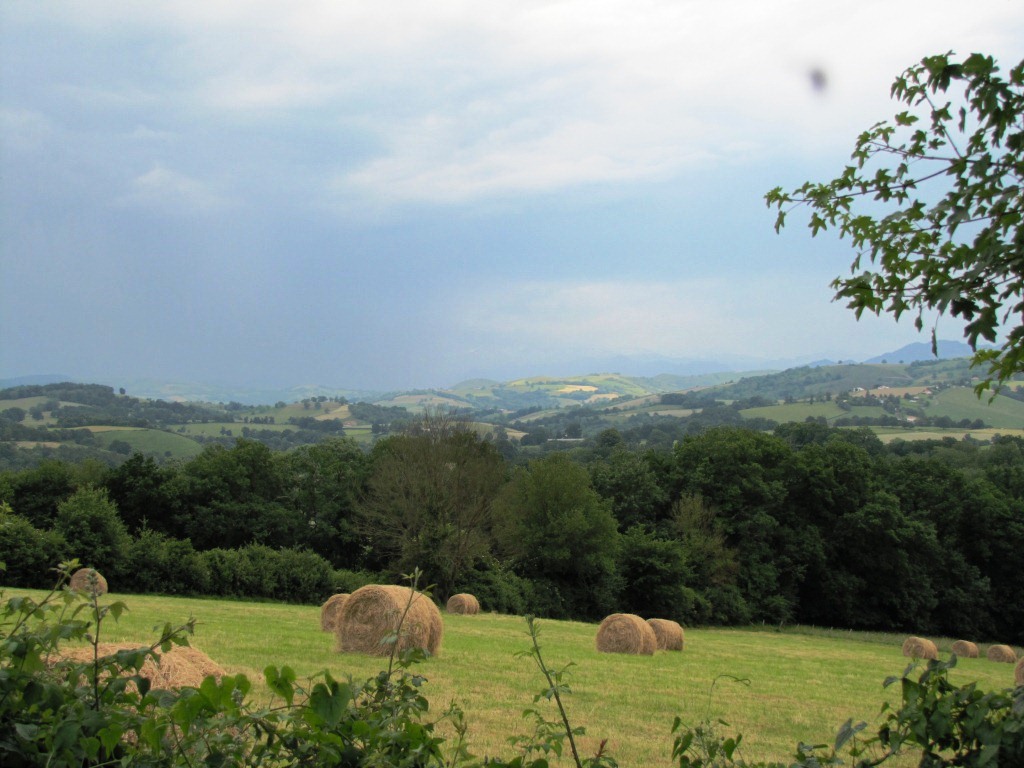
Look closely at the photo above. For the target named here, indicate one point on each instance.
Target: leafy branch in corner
(933, 204)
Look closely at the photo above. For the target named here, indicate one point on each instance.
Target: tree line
(807, 524)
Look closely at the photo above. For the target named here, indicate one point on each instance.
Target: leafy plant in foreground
(103, 712)
(947, 725)
(549, 735)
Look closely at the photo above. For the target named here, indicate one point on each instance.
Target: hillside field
(802, 684)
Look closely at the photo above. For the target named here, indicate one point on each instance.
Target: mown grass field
(798, 412)
(890, 434)
(150, 441)
(962, 403)
(802, 685)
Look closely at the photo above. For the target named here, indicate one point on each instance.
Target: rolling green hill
(915, 399)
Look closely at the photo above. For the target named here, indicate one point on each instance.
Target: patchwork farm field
(803, 684)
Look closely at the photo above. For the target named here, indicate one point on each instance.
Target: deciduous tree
(428, 499)
(933, 203)
(562, 534)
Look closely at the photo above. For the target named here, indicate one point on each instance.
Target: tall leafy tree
(231, 497)
(35, 493)
(139, 488)
(428, 500)
(742, 474)
(323, 483)
(560, 533)
(95, 534)
(655, 576)
(626, 479)
(712, 564)
(933, 204)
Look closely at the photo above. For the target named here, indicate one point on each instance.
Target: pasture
(150, 441)
(962, 403)
(802, 684)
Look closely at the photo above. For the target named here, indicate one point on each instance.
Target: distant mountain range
(918, 351)
(660, 373)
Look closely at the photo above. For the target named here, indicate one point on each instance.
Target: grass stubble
(801, 685)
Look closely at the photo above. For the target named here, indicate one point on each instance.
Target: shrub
(498, 588)
(231, 573)
(303, 577)
(160, 564)
(343, 580)
(258, 571)
(28, 551)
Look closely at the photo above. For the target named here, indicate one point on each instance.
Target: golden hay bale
(920, 648)
(1018, 672)
(464, 603)
(180, 667)
(331, 610)
(668, 633)
(965, 649)
(88, 580)
(1002, 653)
(372, 614)
(626, 633)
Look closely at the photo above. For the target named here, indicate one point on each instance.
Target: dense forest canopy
(805, 523)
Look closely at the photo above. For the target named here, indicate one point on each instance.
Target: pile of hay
(920, 648)
(626, 633)
(965, 649)
(372, 614)
(1002, 653)
(1018, 672)
(668, 633)
(331, 610)
(180, 667)
(88, 580)
(464, 603)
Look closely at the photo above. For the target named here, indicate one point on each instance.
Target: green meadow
(149, 441)
(800, 684)
(962, 403)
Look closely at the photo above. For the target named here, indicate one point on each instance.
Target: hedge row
(155, 563)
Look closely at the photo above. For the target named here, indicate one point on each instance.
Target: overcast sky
(406, 194)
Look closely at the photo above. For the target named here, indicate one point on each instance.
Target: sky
(407, 194)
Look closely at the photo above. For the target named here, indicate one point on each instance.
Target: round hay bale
(331, 610)
(965, 649)
(180, 667)
(1002, 653)
(920, 648)
(463, 603)
(88, 580)
(626, 633)
(372, 614)
(1018, 672)
(668, 633)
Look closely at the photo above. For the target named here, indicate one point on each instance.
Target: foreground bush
(103, 711)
